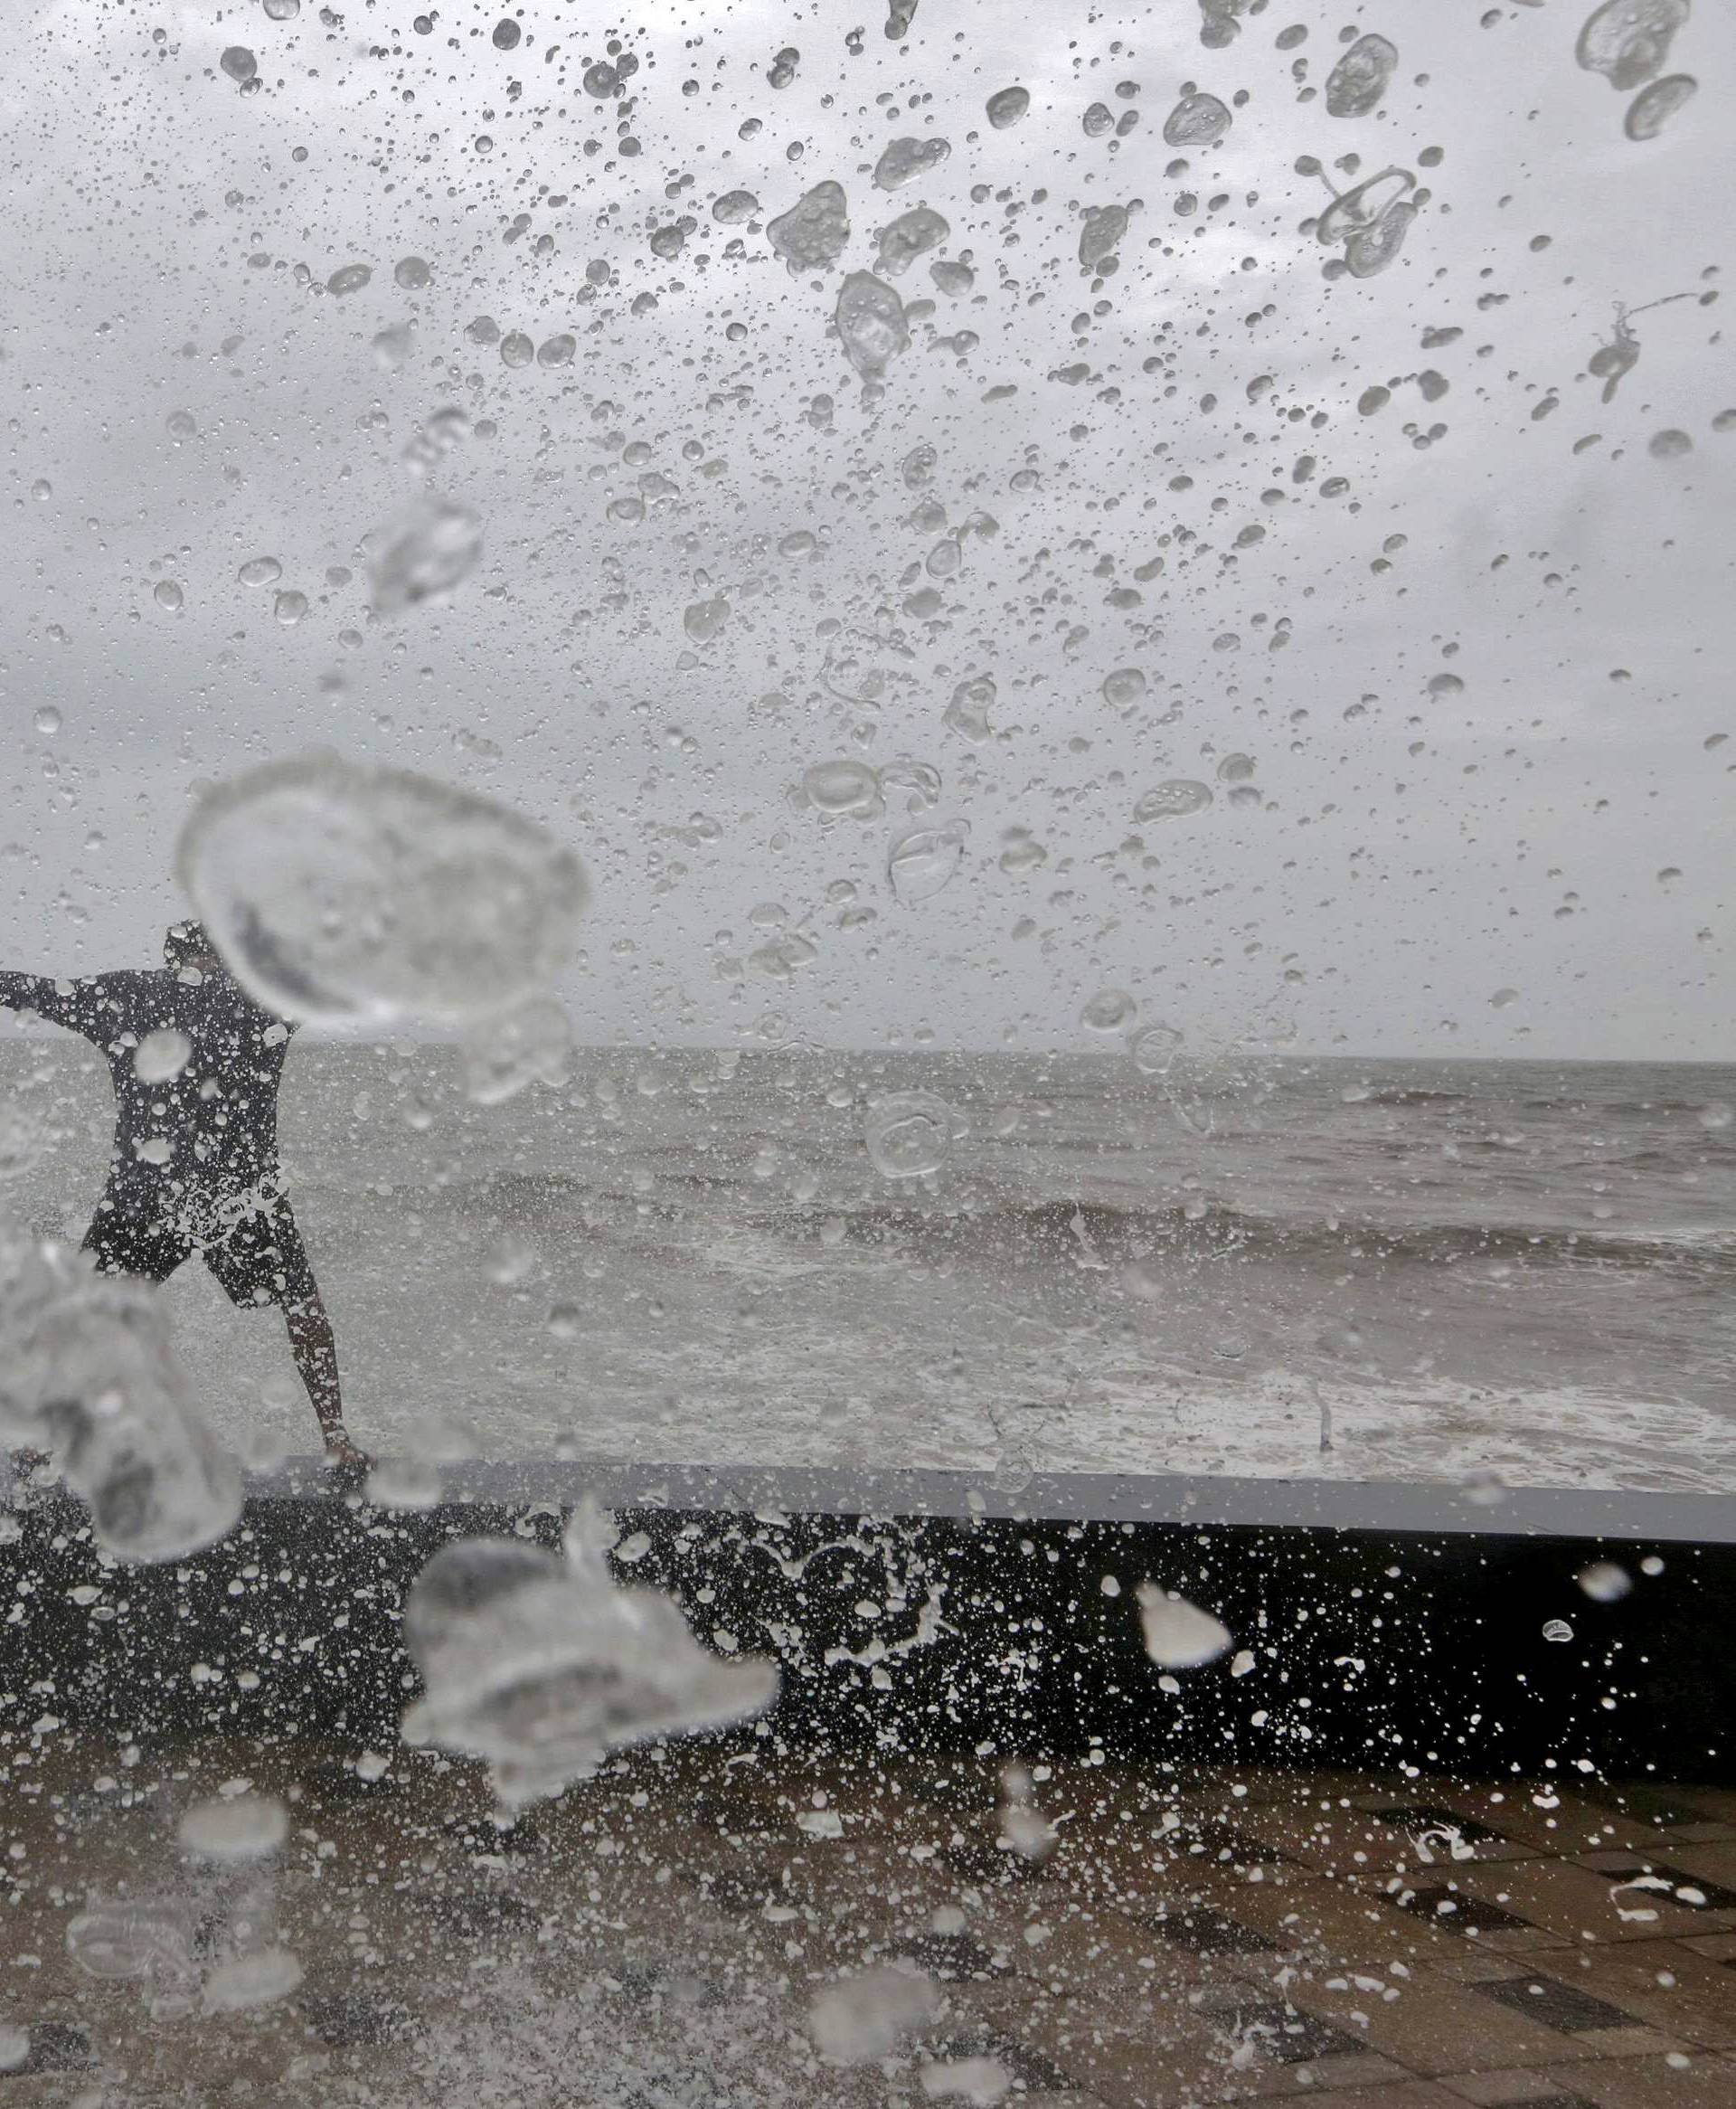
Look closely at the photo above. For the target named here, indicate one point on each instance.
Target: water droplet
(408, 1483)
(1099, 233)
(235, 1827)
(350, 279)
(162, 1054)
(922, 860)
(1111, 1010)
(1362, 206)
(869, 319)
(516, 349)
(782, 70)
(556, 351)
(1236, 769)
(282, 10)
(167, 596)
(427, 551)
(1006, 106)
(1653, 108)
(1124, 688)
(338, 891)
(705, 619)
(1196, 120)
(412, 273)
(1628, 41)
(181, 424)
(41, 489)
(530, 1043)
(541, 1666)
(259, 571)
(967, 712)
(506, 34)
(1557, 1628)
(46, 720)
(910, 236)
(862, 2018)
(734, 206)
(810, 235)
(1669, 445)
(258, 1977)
(290, 608)
(903, 160)
(1173, 799)
(601, 81)
(1098, 119)
(1370, 249)
(239, 62)
(910, 1135)
(1604, 1582)
(1503, 997)
(1179, 1635)
(1153, 1049)
(1357, 82)
(846, 788)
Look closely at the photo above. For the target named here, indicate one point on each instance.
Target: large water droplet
(1006, 106)
(810, 235)
(426, 552)
(1173, 799)
(1652, 107)
(1357, 82)
(903, 160)
(910, 1135)
(1628, 41)
(338, 891)
(870, 320)
(1196, 120)
(922, 860)
(239, 62)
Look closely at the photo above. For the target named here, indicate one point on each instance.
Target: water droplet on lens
(903, 160)
(1153, 1049)
(239, 62)
(162, 1054)
(259, 571)
(1109, 1011)
(351, 278)
(923, 859)
(412, 273)
(810, 235)
(1197, 121)
(910, 1135)
(167, 595)
(1006, 106)
(427, 551)
(1357, 82)
(870, 320)
(1172, 801)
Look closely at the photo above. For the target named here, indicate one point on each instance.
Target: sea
(1253, 1264)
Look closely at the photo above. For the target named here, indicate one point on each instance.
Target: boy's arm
(61, 1002)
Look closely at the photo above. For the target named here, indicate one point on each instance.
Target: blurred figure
(196, 1065)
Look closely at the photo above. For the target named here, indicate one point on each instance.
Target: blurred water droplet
(1153, 1048)
(1628, 41)
(810, 235)
(1006, 106)
(350, 279)
(427, 550)
(1196, 120)
(1174, 800)
(334, 892)
(910, 1135)
(922, 860)
(239, 62)
(1179, 1635)
(903, 160)
(1361, 78)
(162, 1054)
(870, 320)
(1109, 1011)
(235, 1827)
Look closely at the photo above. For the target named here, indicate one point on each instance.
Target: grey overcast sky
(184, 395)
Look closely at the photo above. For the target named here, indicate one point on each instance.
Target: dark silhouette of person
(196, 1065)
